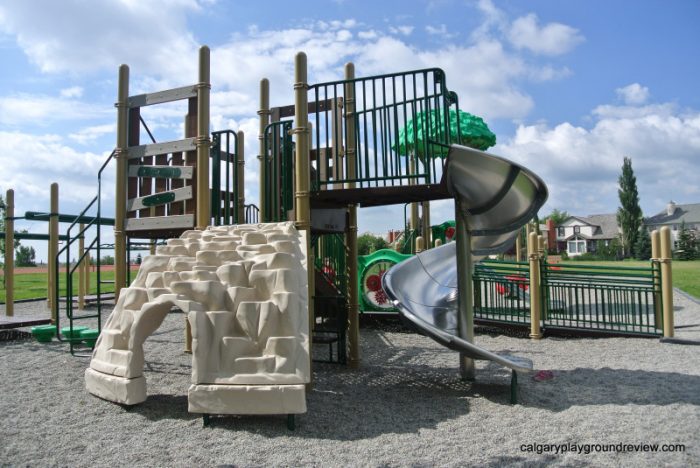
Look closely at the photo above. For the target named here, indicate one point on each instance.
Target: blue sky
(569, 87)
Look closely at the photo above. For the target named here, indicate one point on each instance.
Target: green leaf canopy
(472, 129)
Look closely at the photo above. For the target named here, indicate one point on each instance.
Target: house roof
(605, 225)
(689, 213)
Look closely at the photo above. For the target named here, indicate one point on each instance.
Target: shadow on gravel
(584, 387)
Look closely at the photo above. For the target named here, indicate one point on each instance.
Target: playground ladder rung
(162, 198)
(162, 172)
(160, 97)
(106, 281)
(177, 146)
(160, 222)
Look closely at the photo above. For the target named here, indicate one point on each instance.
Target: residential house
(578, 234)
(673, 216)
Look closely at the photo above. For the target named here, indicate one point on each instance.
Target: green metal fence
(329, 255)
(502, 291)
(618, 299)
(224, 174)
(386, 106)
(279, 177)
(592, 298)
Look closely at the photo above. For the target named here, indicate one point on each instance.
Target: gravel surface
(405, 406)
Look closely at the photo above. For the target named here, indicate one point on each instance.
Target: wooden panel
(161, 222)
(133, 139)
(162, 185)
(159, 97)
(161, 198)
(161, 171)
(188, 144)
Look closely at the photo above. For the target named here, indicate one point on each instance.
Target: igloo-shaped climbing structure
(244, 290)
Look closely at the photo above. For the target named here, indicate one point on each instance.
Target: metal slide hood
(499, 197)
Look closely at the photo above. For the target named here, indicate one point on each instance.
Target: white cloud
(633, 94)
(72, 92)
(440, 31)
(88, 135)
(550, 39)
(41, 110)
(581, 165)
(404, 30)
(77, 36)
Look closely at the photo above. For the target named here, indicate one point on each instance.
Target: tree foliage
(368, 243)
(629, 215)
(557, 216)
(25, 256)
(687, 244)
(642, 248)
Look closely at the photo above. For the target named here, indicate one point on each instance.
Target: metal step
(177, 146)
(157, 199)
(169, 95)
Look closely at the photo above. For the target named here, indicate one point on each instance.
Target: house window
(576, 247)
(577, 229)
(561, 231)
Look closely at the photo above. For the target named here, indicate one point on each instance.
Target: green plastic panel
(160, 172)
(370, 270)
(159, 199)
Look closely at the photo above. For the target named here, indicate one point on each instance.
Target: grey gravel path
(405, 406)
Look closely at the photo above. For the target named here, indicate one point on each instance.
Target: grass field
(34, 285)
(686, 275)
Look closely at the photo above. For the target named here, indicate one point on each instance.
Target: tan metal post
(81, 270)
(120, 155)
(264, 114)
(414, 206)
(655, 257)
(518, 246)
(351, 233)
(152, 247)
(427, 234)
(302, 175)
(53, 250)
(240, 190)
(87, 273)
(667, 281)
(420, 244)
(532, 247)
(465, 288)
(203, 142)
(10, 253)
(438, 242)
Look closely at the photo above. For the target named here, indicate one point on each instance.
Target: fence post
(53, 250)
(10, 253)
(438, 242)
(240, 189)
(264, 114)
(351, 233)
(518, 246)
(656, 266)
(532, 248)
(81, 269)
(302, 207)
(203, 192)
(420, 244)
(120, 196)
(667, 281)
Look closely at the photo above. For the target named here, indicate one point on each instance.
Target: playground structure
(314, 176)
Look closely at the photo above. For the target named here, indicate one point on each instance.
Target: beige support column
(465, 288)
(87, 273)
(425, 211)
(420, 244)
(667, 281)
(535, 308)
(203, 142)
(81, 270)
(518, 247)
(53, 250)
(414, 206)
(438, 242)
(264, 114)
(10, 253)
(120, 155)
(152, 247)
(302, 173)
(240, 190)
(655, 256)
(351, 233)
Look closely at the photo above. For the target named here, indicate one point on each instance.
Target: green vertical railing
(384, 106)
(502, 291)
(330, 255)
(279, 181)
(224, 177)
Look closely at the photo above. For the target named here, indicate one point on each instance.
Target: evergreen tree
(642, 248)
(687, 244)
(629, 215)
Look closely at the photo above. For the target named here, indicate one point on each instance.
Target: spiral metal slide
(495, 198)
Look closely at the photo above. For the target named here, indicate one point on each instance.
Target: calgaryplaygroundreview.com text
(586, 449)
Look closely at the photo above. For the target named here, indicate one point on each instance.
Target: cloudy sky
(569, 88)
